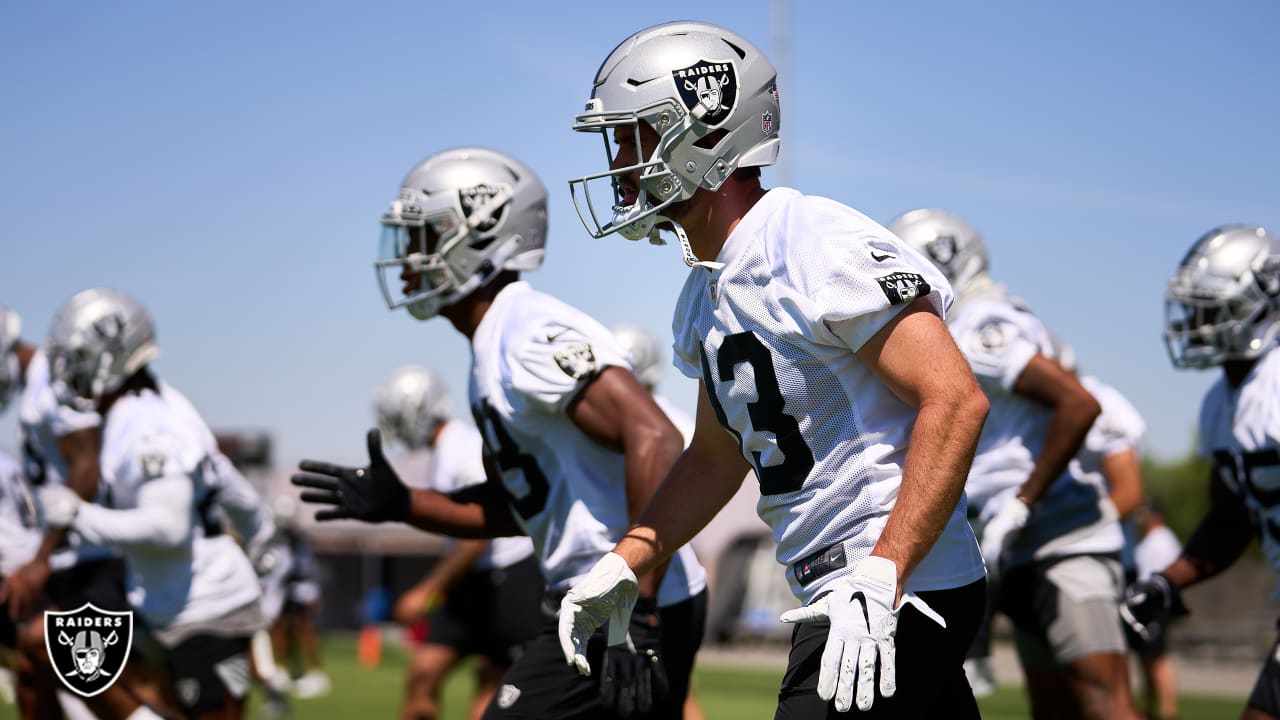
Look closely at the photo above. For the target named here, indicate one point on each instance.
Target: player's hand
(863, 626)
(23, 589)
(608, 592)
(59, 505)
(1002, 528)
(416, 603)
(268, 555)
(634, 679)
(1150, 605)
(373, 493)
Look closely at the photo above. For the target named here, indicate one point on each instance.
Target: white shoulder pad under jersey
(1240, 432)
(531, 355)
(457, 462)
(1119, 428)
(1075, 515)
(206, 576)
(42, 421)
(20, 532)
(772, 334)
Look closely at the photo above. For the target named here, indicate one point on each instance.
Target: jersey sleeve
(999, 345)
(860, 276)
(1119, 427)
(64, 420)
(685, 353)
(158, 454)
(552, 364)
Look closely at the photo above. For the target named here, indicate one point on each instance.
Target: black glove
(1150, 605)
(634, 679)
(372, 494)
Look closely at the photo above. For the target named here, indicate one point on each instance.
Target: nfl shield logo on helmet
(88, 646)
(713, 84)
(766, 122)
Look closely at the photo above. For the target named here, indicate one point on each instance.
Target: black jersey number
(507, 456)
(1239, 469)
(766, 412)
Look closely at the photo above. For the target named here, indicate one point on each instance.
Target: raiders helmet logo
(714, 85)
(943, 249)
(477, 197)
(109, 327)
(1268, 277)
(576, 360)
(88, 646)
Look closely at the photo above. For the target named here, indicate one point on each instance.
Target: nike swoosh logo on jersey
(880, 258)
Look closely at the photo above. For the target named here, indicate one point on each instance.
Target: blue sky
(227, 163)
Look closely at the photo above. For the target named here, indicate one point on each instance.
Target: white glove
(863, 623)
(609, 593)
(1002, 528)
(60, 505)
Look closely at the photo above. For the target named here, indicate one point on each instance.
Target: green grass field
(727, 693)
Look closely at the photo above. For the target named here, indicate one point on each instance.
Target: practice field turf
(727, 693)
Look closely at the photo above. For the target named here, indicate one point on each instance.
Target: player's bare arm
(1074, 411)
(617, 411)
(419, 599)
(703, 479)
(1220, 538)
(1123, 471)
(951, 409)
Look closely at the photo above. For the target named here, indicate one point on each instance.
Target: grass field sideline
(727, 693)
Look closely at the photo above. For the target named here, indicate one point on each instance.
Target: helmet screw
(666, 186)
(691, 166)
(663, 119)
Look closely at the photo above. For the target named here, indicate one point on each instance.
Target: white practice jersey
(772, 334)
(20, 533)
(43, 420)
(456, 462)
(1119, 428)
(206, 576)
(1240, 432)
(531, 355)
(1075, 516)
(1156, 551)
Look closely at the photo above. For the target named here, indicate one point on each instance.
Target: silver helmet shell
(643, 350)
(10, 373)
(712, 98)
(99, 339)
(409, 404)
(461, 217)
(948, 240)
(1222, 302)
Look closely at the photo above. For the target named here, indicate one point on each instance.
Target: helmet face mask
(460, 218)
(1222, 303)
(709, 95)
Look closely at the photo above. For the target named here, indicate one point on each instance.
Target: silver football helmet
(643, 350)
(10, 373)
(98, 340)
(462, 216)
(952, 244)
(712, 98)
(1222, 302)
(410, 403)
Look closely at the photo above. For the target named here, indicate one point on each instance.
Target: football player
(198, 592)
(19, 525)
(1222, 309)
(1048, 525)
(60, 445)
(574, 445)
(483, 597)
(804, 323)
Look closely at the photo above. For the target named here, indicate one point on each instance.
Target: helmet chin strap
(686, 249)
